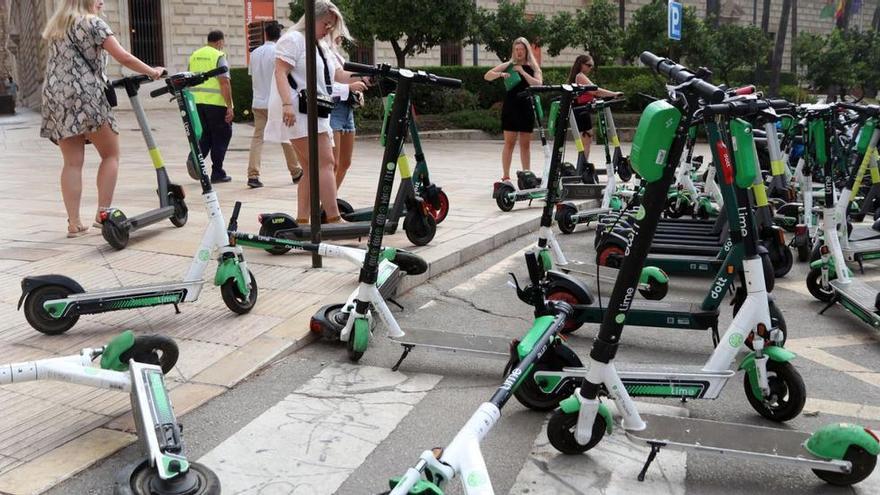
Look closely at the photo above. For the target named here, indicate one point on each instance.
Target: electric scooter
(353, 320)
(116, 227)
(54, 303)
(841, 454)
(135, 365)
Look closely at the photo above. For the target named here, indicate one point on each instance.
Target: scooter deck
(859, 298)
(582, 191)
(457, 342)
(865, 249)
(746, 441)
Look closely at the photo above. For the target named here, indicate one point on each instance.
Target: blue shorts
(342, 117)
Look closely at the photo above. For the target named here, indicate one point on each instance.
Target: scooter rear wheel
(181, 212)
(787, 388)
(158, 350)
(115, 235)
(561, 428)
(235, 300)
(144, 480)
(37, 315)
(564, 220)
(276, 250)
(863, 465)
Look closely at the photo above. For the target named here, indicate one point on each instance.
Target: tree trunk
(875, 21)
(399, 53)
(779, 48)
(621, 12)
(765, 17)
(794, 34)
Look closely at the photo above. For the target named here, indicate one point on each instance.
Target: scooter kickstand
(392, 301)
(176, 309)
(655, 448)
(406, 349)
(832, 302)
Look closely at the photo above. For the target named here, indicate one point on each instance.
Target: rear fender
(29, 284)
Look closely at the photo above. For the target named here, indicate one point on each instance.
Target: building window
(362, 53)
(145, 21)
(450, 53)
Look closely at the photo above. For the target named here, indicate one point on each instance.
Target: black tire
(37, 316)
(814, 285)
(557, 293)
(276, 250)
(344, 206)
(675, 208)
(115, 235)
(192, 168)
(803, 251)
(590, 175)
(234, 300)
(564, 220)
(568, 170)
(560, 432)
(143, 480)
(788, 391)
(181, 212)
(655, 291)
(159, 350)
(529, 394)
(336, 320)
(420, 228)
(411, 263)
(815, 252)
(504, 202)
(863, 465)
(442, 211)
(783, 263)
(610, 254)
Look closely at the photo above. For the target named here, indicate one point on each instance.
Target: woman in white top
(286, 123)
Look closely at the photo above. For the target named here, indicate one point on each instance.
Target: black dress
(516, 112)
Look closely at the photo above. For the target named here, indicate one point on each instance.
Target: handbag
(325, 102)
(514, 79)
(109, 91)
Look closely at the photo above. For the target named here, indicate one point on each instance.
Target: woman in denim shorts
(342, 123)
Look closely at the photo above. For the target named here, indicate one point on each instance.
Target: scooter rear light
(869, 432)
(104, 215)
(800, 229)
(824, 250)
(315, 326)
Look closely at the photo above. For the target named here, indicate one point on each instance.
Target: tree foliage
(647, 31)
(598, 31)
(841, 62)
(731, 47)
(497, 29)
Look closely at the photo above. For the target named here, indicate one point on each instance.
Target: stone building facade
(182, 25)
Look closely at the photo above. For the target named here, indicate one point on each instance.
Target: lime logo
(278, 220)
(390, 166)
(620, 318)
(204, 255)
(475, 479)
(640, 213)
(735, 340)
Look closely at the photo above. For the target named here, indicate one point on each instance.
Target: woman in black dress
(517, 117)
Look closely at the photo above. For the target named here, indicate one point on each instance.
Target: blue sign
(676, 15)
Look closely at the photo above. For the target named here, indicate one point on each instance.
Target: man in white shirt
(262, 71)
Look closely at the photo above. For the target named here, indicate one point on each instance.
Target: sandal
(336, 219)
(302, 221)
(297, 178)
(80, 231)
(505, 179)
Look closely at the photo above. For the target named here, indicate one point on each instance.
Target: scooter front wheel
(39, 318)
(144, 480)
(863, 464)
(788, 394)
(816, 288)
(564, 219)
(420, 227)
(359, 339)
(530, 394)
(561, 428)
(181, 212)
(503, 199)
(235, 300)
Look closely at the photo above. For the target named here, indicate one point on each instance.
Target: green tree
(829, 61)
(598, 32)
(647, 31)
(497, 29)
(561, 33)
(732, 47)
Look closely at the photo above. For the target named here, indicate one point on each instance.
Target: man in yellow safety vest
(214, 102)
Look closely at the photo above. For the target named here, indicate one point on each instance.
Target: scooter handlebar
(681, 75)
(385, 70)
(870, 110)
(183, 80)
(739, 108)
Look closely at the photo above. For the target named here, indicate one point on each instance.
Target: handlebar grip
(651, 60)
(356, 67)
(681, 74)
(745, 90)
(159, 92)
(780, 103)
(448, 82)
(215, 72)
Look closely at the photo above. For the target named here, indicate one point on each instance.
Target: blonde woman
(75, 110)
(579, 74)
(287, 123)
(517, 117)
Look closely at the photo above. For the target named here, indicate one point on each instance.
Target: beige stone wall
(5, 58)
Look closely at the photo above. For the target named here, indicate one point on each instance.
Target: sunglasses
(589, 65)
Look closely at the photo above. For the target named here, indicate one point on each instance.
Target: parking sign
(675, 19)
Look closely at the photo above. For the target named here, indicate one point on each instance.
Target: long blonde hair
(322, 8)
(530, 57)
(65, 15)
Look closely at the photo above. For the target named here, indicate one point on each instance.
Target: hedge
(477, 92)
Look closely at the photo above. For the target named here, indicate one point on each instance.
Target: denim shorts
(342, 117)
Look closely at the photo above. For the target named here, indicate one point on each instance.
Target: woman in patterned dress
(75, 110)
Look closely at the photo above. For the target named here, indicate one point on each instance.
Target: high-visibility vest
(203, 60)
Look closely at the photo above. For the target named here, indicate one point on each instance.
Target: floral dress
(73, 100)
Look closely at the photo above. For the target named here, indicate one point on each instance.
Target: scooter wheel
(783, 263)
(192, 168)
(158, 350)
(565, 221)
(610, 255)
(863, 465)
(814, 285)
(529, 392)
(420, 228)
(803, 250)
(568, 170)
(442, 210)
(181, 212)
(776, 318)
(276, 250)
(115, 235)
(561, 428)
(39, 318)
(235, 300)
(358, 340)
(815, 252)
(329, 321)
(655, 291)
(503, 199)
(561, 294)
(143, 479)
(788, 393)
